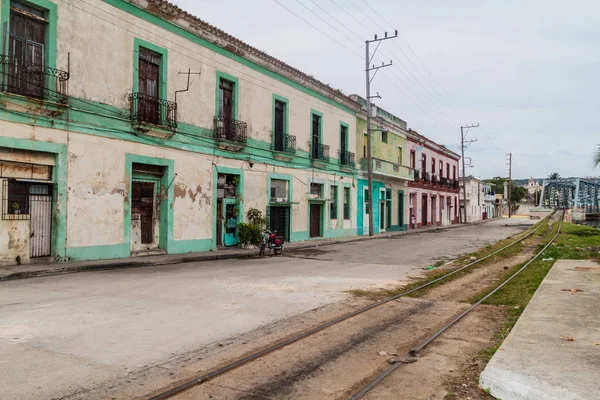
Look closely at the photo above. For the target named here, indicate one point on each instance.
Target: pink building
(434, 194)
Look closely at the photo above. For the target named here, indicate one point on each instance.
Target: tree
(517, 194)
(597, 157)
(554, 175)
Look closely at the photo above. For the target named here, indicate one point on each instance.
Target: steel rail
(251, 357)
(358, 395)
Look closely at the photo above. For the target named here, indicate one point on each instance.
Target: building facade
(433, 195)
(390, 171)
(477, 201)
(158, 135)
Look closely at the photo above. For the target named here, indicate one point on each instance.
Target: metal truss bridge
(582, 195)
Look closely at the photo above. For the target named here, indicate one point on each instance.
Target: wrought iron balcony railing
(426, 177)
(387, 168)
(455, 184)
(320, 151)
(444, 182)
(152, 110)
(284, 143)
(347, 158)
(226, 128)
(33, 80)
(417, 175)
(434, 179)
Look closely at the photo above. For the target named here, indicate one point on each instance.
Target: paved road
(64, 333)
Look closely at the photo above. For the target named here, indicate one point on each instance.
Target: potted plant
(15, 207)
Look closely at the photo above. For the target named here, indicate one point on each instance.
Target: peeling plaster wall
(109, 79)
(14, 241)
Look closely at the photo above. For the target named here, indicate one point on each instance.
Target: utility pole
(509, 184)
(463, 146)
(369, 79)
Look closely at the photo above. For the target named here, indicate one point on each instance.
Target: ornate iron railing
(455, 184)
(417, 175)
(445, 182)
(320, 151)
(33, 80)
(426, 177)
(284, 143)
(152, 110)
(226, 128)
(347, 158)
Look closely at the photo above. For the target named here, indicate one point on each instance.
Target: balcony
(489, 198)
(386, 168)
(151, 110)
(445, 182)
(347, 159)
(33, 80)
(417, 175)
(284, 143)
(320, 152)
(231, 130)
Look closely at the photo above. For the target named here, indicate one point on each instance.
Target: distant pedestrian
(412, 220)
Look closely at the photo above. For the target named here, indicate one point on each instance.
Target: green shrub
(256, 217)
(249, 233)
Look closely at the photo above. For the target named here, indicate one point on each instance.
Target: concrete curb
(209, 256)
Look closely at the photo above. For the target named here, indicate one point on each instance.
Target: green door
(230, 222)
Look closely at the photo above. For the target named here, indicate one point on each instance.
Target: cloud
(527, 71)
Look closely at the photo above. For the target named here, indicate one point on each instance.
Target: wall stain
(117, 191)
(180, 190)
(194, 195)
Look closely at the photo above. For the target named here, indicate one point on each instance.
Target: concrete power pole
(369, 79)
(463, 146)
(509, 184)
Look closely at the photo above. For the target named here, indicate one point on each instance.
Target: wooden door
(279, 126)
(142, 203)
(40, 210)
(315, 220)
(149, 66)
(424, 210)
(316, 121)
(226, 108)
(343, 149)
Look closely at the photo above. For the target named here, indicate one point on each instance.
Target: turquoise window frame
(286, 119)
(225, 76)
(52, 15)
(164, 65)
(349, 187)
(319, 114)
(337, 201)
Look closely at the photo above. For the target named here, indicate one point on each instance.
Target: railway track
(169, 393)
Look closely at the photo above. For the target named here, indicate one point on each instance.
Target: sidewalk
(553, 352)
(37, 270)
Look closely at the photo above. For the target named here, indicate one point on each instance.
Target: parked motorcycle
(273, 242)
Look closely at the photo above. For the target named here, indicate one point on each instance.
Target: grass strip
(377, 294)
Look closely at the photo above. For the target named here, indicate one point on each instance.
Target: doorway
(227, 209)
(40, 210)
(315, 220)
(433, 210)
(424, 210)
(365, 210)
(279, 220)
(401, 209)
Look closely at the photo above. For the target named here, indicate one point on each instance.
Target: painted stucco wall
(379, 149)
(475, 203)
(102, 71)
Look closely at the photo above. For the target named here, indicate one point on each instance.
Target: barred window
(346, 203)
(333, 200)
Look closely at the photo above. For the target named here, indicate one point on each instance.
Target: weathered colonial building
(433, 195)
(131, 126)
(390, 173)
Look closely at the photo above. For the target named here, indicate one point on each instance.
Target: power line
(323, 33)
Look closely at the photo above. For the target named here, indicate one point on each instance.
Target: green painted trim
(343, 124)
(236, 84)
(52, 15)
(285, 177)
(320, 114)
(337, 203)
(349, 187)
(190, 246)
(286, 114)
(240, 192)
(171, 27)
(164, 65)
(85, 117)
(58, 239)
(166, 205)
(99, 252)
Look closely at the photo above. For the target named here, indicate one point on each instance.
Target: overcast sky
(527, 70)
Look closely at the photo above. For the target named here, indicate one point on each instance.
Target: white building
(106, 151)
(475, 203)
